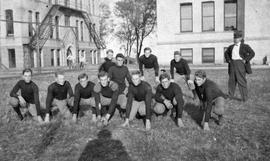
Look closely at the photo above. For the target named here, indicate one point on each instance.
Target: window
(93, 7)
(50, 1)
(52, 57)
(187, 54)
(76, 4)
(67, 20)
(77, 28)
(57, 26)
(58, 57)
(208, 16)
(81, 30)
(56, 1)
(80, 4)
(230, 15)
(9, 23)
(186, 17)
(208, 55)
(51, 26)
(12, 58)
(66, 2)
(37, 18)
(30, 26)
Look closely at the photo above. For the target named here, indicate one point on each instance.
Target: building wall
(21, 13)
(171, 39)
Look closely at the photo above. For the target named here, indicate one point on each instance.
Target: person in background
(238, 57)
(149, 62)
(108, 62)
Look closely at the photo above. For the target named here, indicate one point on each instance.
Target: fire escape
(46, 27)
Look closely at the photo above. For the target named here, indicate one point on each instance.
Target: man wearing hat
(182, 70)
(238, 57)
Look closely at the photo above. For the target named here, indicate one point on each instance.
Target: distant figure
(70, 60)
(212, 99)
(139, 100)
(108, 62)
(104, 148)
(120, 73)
(238, 56)
(28, 97)
(168, 96)
(85, 95)
(182, 72)
(82, 60)
(151, 66)
(59, 95)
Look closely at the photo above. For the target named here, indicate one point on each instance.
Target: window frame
(214, 57)
(214, 27)
(236, 17)
(186, 4)
(181, 49)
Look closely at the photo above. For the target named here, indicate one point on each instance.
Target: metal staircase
(92, 31)
(44, 30)
(46, 27)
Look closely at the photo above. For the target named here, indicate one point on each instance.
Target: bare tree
(106, 23)
(140, 18)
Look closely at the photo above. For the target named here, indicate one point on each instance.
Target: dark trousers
(237, 75)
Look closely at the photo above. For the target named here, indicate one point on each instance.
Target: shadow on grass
(47, 138)
(195, 112)
(104, 148)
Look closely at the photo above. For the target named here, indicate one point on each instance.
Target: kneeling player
(169, 95)
(139, 99)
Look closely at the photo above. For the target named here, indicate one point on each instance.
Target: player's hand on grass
(126, 123)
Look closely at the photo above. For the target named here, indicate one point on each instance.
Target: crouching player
(169, 95)
(210, 96)
(85, 95)
(139, 100)
(29, 97)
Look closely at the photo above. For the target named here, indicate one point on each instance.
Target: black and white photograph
(134, 80)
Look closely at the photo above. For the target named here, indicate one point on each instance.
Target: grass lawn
(245, 134)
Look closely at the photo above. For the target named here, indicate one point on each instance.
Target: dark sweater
(118, 74)
(207, 92)
(181, 67)
(106, 65)
(110, 91)
(59, 92)
(85, 93)
(173, 91)
(142, 92)
(29, 91)
(150, 62)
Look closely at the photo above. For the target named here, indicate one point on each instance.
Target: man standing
(120, 73)
(149, 61)
(209, 94)
(238, 56)
(139, 99)
(108, 95)
(182, 70)
(29, 97)
(108, 62)
(82, 59)
(60, 95)
(169, 95)
(85, 95)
